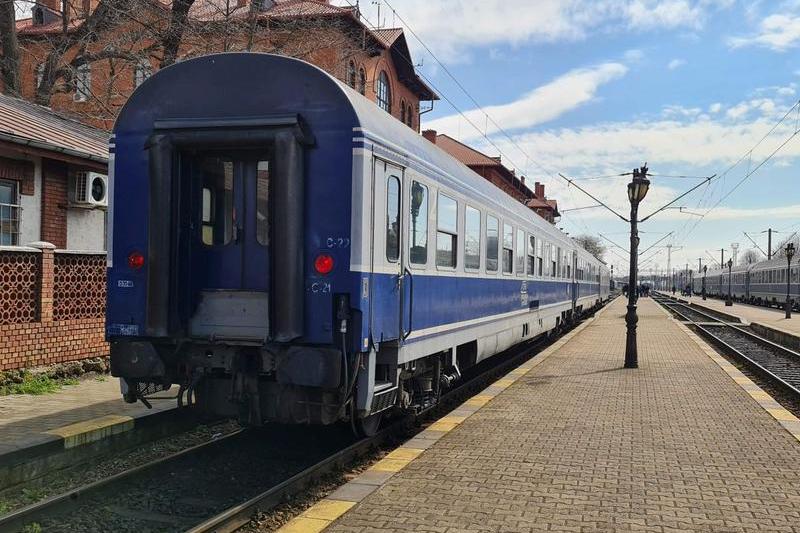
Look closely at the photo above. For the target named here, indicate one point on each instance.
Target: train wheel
(367, 427)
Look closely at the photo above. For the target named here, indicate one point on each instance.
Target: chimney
(522, 179)
(430, 135)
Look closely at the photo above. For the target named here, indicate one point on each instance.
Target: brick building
(52, 189)
(98, 74)
(493, 170)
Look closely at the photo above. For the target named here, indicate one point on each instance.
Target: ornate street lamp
(729, 302)
(637, 190)
(691, 283)
(705, 270)
(789, 255)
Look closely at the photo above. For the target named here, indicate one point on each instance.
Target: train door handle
(407, 272)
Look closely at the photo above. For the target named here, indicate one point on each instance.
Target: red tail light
(135, 260)
(323, 264)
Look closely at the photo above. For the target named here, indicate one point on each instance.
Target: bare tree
(750, 256)
(9, 57)
(591, 244)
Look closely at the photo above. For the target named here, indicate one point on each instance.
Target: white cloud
(716, 107)
(634, 55)
(676, 63)
(777, 32)
(540, 105)
(454, 26)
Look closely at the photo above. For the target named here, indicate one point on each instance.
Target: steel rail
(735, 351)
(17, 520)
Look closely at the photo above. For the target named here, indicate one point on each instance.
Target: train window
(492, 240)
(262, 202)
(508, 248)
(446, 236)
(472, 238)
(539, 252)
(419, 224)
(393, 218)
(217, 209)
(520, 256)
(559, 272)
(531, 265)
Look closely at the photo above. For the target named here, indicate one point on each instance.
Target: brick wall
(54, 202)
(57, 331)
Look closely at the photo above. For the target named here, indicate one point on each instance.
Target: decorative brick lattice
(79, 286)
(19, 287)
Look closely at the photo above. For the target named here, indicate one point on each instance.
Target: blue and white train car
(283, 249)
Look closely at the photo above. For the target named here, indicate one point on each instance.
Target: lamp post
(637, 190)
(729, 302)
(705, 270)
(789, 255)
(691, 282)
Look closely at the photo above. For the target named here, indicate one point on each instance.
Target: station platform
(768, 316)
(571, 441)
(33, 426)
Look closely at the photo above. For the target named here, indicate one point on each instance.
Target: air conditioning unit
(90, 189)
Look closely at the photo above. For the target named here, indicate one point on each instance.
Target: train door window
(520, 253)
(508, 248)
(393, 218)
(559, 272)
(419, 224)
(217, 197)
(492, 241)
(553, 262)
(262, 202)
(531, 263)
(539, 252)
(447, 231)
(472, 238)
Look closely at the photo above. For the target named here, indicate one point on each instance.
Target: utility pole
(699, 264)
(722, 260)
(769, 244)
(735, 251)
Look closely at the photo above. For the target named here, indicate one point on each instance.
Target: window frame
(520, 257)
(505, 249)
(383, 93)
(83, 83)
(497, 245)
(11, 209)
(530, 255)
(427, 219)
(399, 211)
(454, 236)
(467, 209)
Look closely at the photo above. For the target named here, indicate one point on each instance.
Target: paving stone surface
(24, 418)
(581, 445)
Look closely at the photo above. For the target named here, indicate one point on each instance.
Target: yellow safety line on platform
(786, 419)
(322, 514)
(93, 430)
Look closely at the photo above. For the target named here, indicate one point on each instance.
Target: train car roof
(239, 84)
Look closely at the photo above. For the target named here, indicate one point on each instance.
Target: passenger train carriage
(283, 249)
(762, 283)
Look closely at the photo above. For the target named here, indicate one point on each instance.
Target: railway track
(772, 361)
(219, 485)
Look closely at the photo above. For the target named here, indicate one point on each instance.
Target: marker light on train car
(323, 264)
(135, 260)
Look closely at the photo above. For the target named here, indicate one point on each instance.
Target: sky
(693, 88)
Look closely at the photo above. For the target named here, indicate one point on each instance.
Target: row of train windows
(533, 257)
(773, 276)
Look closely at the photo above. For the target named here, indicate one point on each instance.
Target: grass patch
(4, 507)
(32, 528)
(36, 384)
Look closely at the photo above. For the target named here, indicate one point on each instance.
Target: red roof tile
(462, 152)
